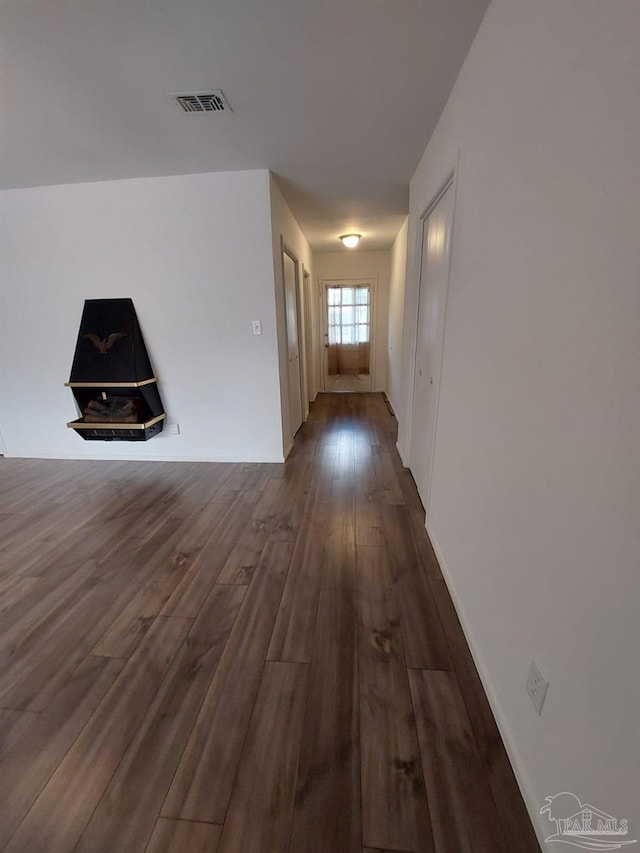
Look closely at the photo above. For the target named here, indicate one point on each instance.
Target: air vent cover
(204, 102)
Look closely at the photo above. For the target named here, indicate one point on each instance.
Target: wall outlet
(537, 686)
(257, 327)
(173, 427)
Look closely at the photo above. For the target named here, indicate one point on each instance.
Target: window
(349, 314)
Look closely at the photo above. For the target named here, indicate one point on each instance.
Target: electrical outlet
(257, 327)
(173, 427)
(537, 686)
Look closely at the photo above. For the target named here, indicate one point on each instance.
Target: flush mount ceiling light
(350, 240)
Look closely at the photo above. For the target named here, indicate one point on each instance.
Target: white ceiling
(337, 97)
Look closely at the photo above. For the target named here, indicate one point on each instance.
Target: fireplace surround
(112, 380)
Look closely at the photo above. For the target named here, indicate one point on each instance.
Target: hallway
(212, 657)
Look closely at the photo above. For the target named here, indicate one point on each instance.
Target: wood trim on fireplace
(110, 384)
(108, 425)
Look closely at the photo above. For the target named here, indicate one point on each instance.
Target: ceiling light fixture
(350, 240)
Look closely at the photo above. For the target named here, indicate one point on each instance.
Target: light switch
(257, 327)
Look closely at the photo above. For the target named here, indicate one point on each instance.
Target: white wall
(396, 311)
(536, 491)
(286, 231)
(194, 254)
(356, 263)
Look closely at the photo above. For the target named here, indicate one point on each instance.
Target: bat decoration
(103, 345)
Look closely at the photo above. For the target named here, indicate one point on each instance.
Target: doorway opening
(348, 338)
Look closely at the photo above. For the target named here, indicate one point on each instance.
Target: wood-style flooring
(207, 658)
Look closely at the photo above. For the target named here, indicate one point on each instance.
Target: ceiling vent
(204, 102)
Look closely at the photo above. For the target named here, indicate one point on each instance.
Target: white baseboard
(522, 777)
(123, 457)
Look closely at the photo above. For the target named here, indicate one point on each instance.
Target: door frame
(308, 334)
(372, 281)
(285, 250)
(450, 182)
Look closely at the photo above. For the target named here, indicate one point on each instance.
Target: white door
(434, 277)
(293, 348)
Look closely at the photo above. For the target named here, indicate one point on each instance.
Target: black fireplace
(111, 378)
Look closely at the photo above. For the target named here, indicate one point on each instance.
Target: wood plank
(58, 589)
(344, 464)
(386, 850)
(294, 631)
(57, 644)
(395, 814)
(327, 813)
(184, 836)
(248, 475)
(75, 788)
(41, 604)
(44, 658)
(193, 589)
(202, 784)
(22, 476)
(56, 624)
(425, 643)
(209, 486)
(14, 590)
(409, 489)
(156, 488)
(369, 526)
(164, 567)
(261, 806)
(110, 522)
(256, 531)
(387, 481)
(13, 725)
(463, 813)
(342, 504)
(322, 475)
(514, 817)
(292, 509)
(276, 516)
(240, 566)
(40, 534)
(27, 767)
(126, 814)
(416, 520)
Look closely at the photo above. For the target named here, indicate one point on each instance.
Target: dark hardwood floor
(217, 658)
